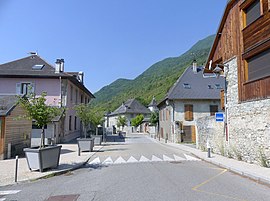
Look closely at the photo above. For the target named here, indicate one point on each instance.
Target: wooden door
(2, 137)
(189, 134)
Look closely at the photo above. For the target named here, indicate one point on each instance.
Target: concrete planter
(40, 159)
(98, 139)
(85, 144)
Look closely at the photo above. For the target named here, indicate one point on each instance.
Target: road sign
(219, 117)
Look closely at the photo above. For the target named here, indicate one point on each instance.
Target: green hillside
(155, 81)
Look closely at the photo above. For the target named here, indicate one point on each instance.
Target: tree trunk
(42, 137)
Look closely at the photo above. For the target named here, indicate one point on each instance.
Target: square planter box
(85, 144)
(40, 159)
(98, 139)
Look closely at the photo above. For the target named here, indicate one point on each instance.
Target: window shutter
(186, 112)
(32, 88)
(191, 112)
(222, 103)
(18, 88)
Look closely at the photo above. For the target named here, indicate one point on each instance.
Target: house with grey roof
(15, 133)
(130, 109)
(64, 89)
(191, 97)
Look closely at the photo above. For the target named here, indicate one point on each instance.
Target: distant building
(130, 109)
(15, 134)
(190, 98)
(64, 89)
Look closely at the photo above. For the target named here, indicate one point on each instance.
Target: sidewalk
(69, 160)
(252, 171)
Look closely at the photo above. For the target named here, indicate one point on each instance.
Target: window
(252, 12)
(69, 123)
(189, 112)
(76, 96)
(259, 65)
(24, 88)
(71, 93)
(213, 109)
(75, 123)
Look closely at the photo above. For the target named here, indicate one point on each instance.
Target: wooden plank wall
(17, 132)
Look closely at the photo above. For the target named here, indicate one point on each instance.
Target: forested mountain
(155, 81)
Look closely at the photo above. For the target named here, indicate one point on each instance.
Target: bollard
(79, 151)
(208, 149)
(16, 169)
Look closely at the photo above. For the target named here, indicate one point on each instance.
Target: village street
(140, 168)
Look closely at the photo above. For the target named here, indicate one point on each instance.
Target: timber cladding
(17, 132)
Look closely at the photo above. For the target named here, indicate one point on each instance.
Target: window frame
(244, 11)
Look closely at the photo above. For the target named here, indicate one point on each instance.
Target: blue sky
(107, 39)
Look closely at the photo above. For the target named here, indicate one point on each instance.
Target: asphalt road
(140, 169)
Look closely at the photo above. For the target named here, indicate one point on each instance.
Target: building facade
(64, 89)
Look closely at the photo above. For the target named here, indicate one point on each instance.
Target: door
(189, 134)
(2, 139)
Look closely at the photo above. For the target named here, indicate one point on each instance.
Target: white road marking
(178, 158)
(144, 159)
(154, 158)
(119, 160)
(108, 161)
(166, 158)
(190, 158)
(132, 160)
(9, 192)
(96, 161)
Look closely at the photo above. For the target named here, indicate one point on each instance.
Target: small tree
(38, 111)
(88, 116)
(121, 121)
(154, 118)
(137, 120)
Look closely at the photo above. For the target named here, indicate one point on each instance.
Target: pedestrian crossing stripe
(120, 160)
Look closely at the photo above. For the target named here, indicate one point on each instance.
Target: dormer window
(218, 86)
(186, 86)
(209, 86)
(38, 67)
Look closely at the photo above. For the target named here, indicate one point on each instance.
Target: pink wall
(51, 86)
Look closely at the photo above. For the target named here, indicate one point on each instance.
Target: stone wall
(248, 125)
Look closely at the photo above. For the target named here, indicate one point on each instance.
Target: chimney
(80, 77)
(194, 67)
(57, 65)
(62, 65)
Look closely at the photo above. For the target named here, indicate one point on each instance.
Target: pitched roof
(131, 106)
(192, 85)
(35, 67)
(153, 102)
(7, 104)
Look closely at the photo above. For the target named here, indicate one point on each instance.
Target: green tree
(88, 116)
(154, 118)
(38, 111)
(121, 121)
(137, 120)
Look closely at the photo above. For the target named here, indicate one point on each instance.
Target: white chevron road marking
(108, 161)
(9, 192)
(144, 159)
(119, 160)
(96, 161)
(178, 158)
(166, 158)
(132, 160)
(154, 158)
(191, 158)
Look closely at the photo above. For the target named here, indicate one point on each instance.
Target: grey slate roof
(7, 104)
(24, 68)
(192, 85)
(131, 106)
